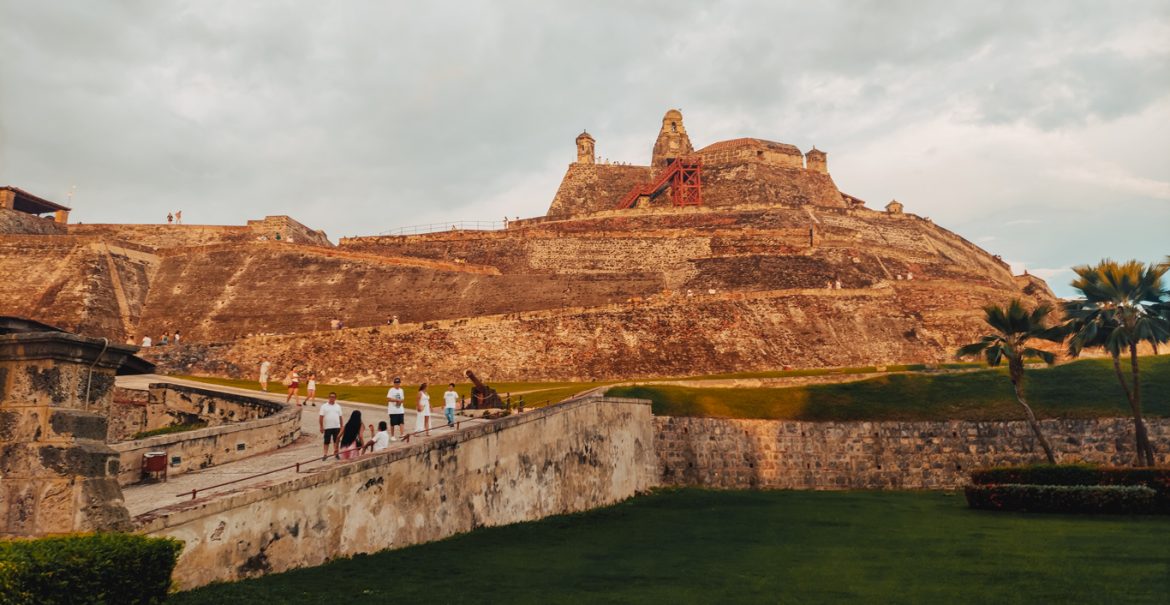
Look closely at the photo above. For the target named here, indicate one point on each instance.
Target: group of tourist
(352, 439)
(163, 341)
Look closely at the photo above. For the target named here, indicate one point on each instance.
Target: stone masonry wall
(17, 222)
(775, 454)
(135, 411)
(561, 459)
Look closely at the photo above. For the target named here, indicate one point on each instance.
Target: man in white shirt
(396, 408)
(146, 342)
(381, 438)
(450, 400)
(329, 420)
(264, 365)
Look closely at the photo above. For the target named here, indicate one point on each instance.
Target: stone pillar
(57, 474)
(7, 198)
(672, 142)
(61, 216)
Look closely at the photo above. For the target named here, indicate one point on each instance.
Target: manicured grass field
(534, 393)
(1081, 389)
(695, 546)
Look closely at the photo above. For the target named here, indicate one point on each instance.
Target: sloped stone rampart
(776, 454)
(562, 459)
(14, 222)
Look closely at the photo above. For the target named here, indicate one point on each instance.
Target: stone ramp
(144, 497)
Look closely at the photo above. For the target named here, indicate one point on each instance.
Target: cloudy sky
(1040, 130)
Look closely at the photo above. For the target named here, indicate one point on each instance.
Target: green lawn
(695, 546)
(536, 393)
(1081, 389)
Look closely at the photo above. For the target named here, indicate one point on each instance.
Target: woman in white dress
(422, 422)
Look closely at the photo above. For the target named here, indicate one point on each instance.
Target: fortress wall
(589, 188)
(74, 283)
(222, 293)
(675, 335)
(17, 222)
(239, 427)
(777, 454)
(288, 230)
(165, 236)
(562, 459)
(757, 183)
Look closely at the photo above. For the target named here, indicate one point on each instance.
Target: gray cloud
(365, 116)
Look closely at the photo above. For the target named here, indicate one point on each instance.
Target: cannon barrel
(482, 396)
(474, 380)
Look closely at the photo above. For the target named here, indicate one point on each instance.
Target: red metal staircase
(683, 176)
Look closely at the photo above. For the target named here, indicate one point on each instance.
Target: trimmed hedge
(1123, 499)
(1155, 478)
(87, 568)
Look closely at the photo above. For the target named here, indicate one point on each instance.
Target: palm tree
(1014, 327)
(1122, 307)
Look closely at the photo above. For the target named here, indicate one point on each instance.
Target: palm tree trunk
(1143, 437)
(1139, 425)
(1017, 384)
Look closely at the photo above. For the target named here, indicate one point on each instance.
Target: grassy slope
(534, 392)
(694, 546)
(1085, 388)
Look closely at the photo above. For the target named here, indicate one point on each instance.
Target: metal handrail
(297, 465)
(457, 226)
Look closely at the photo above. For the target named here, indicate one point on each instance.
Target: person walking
(422, 422)
(351, 437)
(293, 381)
(450, 400)
(264, 365)
(329, 421)
(311, 390)
(396, 408)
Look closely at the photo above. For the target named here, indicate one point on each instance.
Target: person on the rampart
(450, 401)
(264, 365)
(175, 340)
(351, 437)
(162, 342)
(329, 421)
(170, 218)
(381, 439)
(293, 382)
(311, 390)
(146, 342)
(396, 408)
(422, 422)
(178, 217)
(368, 444)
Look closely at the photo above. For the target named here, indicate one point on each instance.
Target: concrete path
(145, 497)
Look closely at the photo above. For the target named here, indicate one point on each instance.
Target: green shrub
(89, 568)
(1156, 478)
(1124, 499)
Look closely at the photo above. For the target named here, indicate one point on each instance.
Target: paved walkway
(145, 497)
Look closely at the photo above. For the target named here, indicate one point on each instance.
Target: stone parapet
(779, 454)
(565, 458)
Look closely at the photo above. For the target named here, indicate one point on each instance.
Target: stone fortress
(773, 266)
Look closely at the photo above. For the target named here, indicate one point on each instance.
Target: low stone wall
(238, 427)
(777, 454)
(565, 458)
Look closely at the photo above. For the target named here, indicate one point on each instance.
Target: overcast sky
(1039, 130)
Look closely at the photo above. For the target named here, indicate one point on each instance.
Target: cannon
(482, 396)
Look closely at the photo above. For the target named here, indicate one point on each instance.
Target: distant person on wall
(170, 218)
(293, 382)
(178, 217)
(146, 342)
(264, 365)
(351, 437)
(396, 408)
(422, 422)
(450, 401)
(329, 421)
(175, 340)
(311, 390)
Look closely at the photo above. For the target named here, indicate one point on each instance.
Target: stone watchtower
(57, 475)
(672, 142)
(816, 161)
(585, 152)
